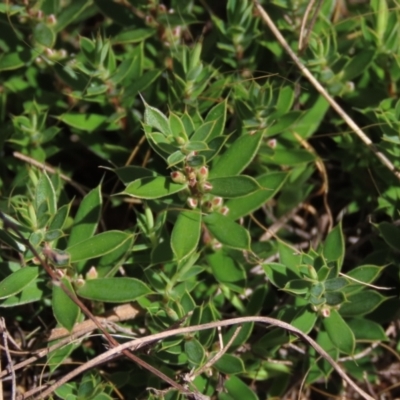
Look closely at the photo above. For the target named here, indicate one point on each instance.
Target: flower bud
(224, 210)
(216, 245)
(325, 312)
(207, 206)
(202, 173)
(272, 143)
(192, 202)
(79, 282)
(217, 201)
(92, 273)
(207, 186)
(178, 177)
(51, 19)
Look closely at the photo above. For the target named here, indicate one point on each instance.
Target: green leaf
(153, 188)
(157, 120)
(176, 127)
(45, 193)
(97, 246)
(358, 63)
(203, 132)
(17, 281)
(87, 217)
(113, 290)
(60, 217)
(227, 271)
(44, 35)
(390, 234)
(364, 329)
(339, 332)
(71, 13)
(65, 310)
(291, 157)
(186, 233)
(238, 390)
(364, 274)
(229, 365)
(280, 274)
(140, 84)
(335, 284)
(305, 320)
(175, 158)
(15, 60)
(334, 245)
(233, 186)
(298, 286)
(309, 121)
(133, 35)
(361, 303)
(194, 351)
(84, 122)
(242, 206)
(108, 265)
(237, 157)
(132, 173)
(30, 293)
(218, 115)
(88, 48)
(195, 146)
(227, 232)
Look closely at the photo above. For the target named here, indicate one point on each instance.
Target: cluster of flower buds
(215, 204)
(198, 187)
(196, 177)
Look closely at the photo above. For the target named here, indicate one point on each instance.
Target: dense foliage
(171, 158)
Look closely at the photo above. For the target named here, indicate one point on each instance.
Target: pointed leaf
(65, 310)
(361, 303)
(334, 245)
(390, 234)
(176, 126)
(45, 193)
(230, 365)
(218, 115)
(227, 271)
(153, 188)
(30, 293)
(237, 389)
(227, 232)
(272, 182)
(203, 132)
(233, 186)
(97, 246)
(113, 290)
(194, 351)
(60, 217)
(238, 156)
(186, 233)
(156, 119)
(339, 332)
(17, 281)
(175, 158)
(87, 217)
(132, 173)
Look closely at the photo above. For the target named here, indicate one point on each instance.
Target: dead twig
(140, 342)
(4, 334)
